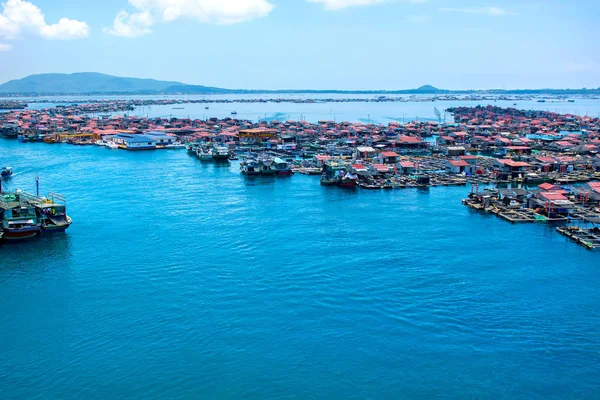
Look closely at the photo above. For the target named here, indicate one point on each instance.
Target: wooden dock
(520, 215)
(588, 238)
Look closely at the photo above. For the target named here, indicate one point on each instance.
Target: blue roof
(134, 138)
(158, 135)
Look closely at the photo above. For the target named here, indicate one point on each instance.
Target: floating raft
(588, 238)
(521, 215)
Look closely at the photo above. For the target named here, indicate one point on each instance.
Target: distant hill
(92, 82)
(96, 83)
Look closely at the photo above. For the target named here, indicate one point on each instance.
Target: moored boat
(24, 216)
(6, 172)
(266, 166)
(220, 153)
(250, 167)
(19, 218)
(204, 154)
(282, 167)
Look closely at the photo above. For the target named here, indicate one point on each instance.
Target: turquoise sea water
(384, 113)
(185, 280)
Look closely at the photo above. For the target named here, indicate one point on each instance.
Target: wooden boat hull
(21, 234)
(55, 228)
(348, 183)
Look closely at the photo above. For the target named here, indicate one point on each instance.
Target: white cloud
(339, 4)
(5, 47)
(495, 11)
(24, 19)
(333, 5)
(150, 12)
(134, 25)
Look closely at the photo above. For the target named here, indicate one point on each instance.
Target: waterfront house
(320, 159)
(472, 161)
(511, 168)
(456, 166)
(365, 152)
(389, 157)
(455, 151)
(404, 142)
(406, 167)
(160, 138)
(134, 142)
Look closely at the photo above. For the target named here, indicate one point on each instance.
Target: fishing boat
(266, 166)
(192, 147)
(6, 172)
(175, 146)
(9, 132)
(282, 167)
(204, 154)
(53, 213)
(19, 220)
(24, 216)
(335, 173)
(348, 180)
(50, 139)
(250, 167)
(220, 152)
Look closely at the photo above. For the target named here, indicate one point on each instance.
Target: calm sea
(381, 112)
(184, 280)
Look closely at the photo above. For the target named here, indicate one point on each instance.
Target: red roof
(595, 186)
(548, 160)
(408, 139)
(547, 186)
(552, 196)
(407, 164)
(389, 154)
(512, 163)
(381, 167)
(458, 163)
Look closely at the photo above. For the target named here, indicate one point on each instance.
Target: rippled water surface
(186, 280)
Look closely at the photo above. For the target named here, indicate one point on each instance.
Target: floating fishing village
(541, 166)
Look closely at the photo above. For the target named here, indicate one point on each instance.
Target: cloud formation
(21, 19)
(333, 5)
(5, 47)
(150, 12)
(495, 11)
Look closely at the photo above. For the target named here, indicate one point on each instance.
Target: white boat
(112, 145)
(175, 145)
(100, 142)
(204, 154)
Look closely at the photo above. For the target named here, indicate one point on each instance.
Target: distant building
(455, 151)
(457, 166)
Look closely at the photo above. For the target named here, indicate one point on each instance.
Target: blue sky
(317, 44)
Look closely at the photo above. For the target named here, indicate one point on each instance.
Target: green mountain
(91, 82)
